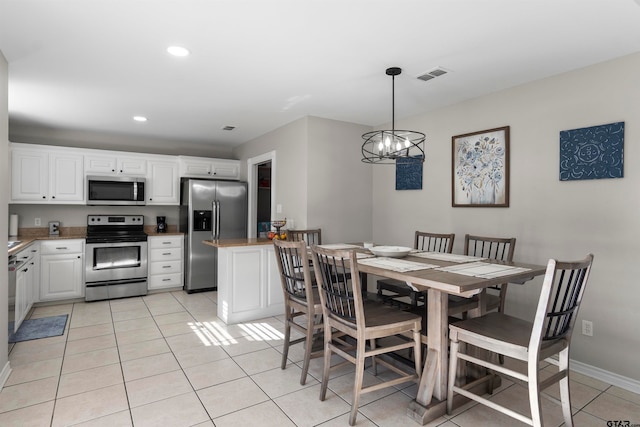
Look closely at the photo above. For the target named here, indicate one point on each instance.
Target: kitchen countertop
(227, 243)
(27, 240)
(26, 236)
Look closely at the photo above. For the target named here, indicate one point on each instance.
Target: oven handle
(214, 220)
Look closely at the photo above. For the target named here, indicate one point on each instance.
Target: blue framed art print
(596, 152)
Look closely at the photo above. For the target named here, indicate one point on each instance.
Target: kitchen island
(248, 280)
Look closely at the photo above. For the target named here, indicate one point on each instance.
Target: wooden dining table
(430, 402)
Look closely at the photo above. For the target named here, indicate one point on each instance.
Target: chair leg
(287, 337)
(357, 386)
(308, 348)
(373, 358)
(534, 394)
(327, 361)
(565, 395)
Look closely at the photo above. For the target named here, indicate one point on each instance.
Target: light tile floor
(167, 360)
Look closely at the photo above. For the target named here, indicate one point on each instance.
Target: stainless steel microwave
(115, 190)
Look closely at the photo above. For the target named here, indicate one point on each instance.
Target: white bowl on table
(390, 251)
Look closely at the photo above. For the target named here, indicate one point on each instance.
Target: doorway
(260, 171)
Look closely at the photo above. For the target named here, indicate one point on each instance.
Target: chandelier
(386, 146)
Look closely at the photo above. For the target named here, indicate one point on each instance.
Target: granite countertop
(26, 236)
(227, 243)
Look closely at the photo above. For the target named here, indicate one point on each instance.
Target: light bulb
(387, 142)
(407, 143)
(380, 146)
(398, 146)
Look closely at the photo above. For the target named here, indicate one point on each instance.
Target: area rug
(33, 329)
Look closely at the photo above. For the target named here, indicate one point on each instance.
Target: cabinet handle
(113, 170)
(62, 247)
(166, 243)
(167, 253)
(79, 257)
(25, 270)
(44, 197)
(166, 280)
(53, 197)
(166, 266)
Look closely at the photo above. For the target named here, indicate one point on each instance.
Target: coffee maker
(161, 224)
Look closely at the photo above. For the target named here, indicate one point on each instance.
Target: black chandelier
(386, 146)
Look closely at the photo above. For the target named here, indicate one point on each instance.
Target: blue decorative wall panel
(409, 173)
(595, 152)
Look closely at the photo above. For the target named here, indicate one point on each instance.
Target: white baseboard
(4, 374)
(606, 376)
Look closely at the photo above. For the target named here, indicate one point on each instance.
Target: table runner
(443, 256)
(395, 264)
(483, 270)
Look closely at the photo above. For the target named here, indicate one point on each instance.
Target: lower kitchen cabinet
(27, 280)
(165, 260)
(61, 269)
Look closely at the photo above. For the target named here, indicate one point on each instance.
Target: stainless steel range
(116, 257)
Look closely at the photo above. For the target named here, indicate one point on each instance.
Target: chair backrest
(432, 242)
(295, 274)
(497, 248)
(560, 298)
(311, 236)
(338, 284)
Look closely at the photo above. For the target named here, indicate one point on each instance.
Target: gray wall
(549, 218)
(320, 181)
(4, 199)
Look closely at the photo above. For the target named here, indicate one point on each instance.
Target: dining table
(440, 275)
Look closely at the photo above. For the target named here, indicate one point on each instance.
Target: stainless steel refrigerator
(209, 210)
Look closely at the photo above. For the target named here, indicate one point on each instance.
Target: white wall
(4, 199)
(320, 180)
(549, 218)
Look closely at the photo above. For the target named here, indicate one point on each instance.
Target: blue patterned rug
(34, 329)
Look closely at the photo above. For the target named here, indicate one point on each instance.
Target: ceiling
(89, 66)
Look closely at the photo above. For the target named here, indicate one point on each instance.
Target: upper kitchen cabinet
(46, 175)
(114, 164)
(202, 167)
(163, 183)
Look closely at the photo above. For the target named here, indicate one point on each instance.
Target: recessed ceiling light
(178, 51)
(140, 118)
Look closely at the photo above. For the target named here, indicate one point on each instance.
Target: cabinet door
(29, 176)
(99, 165)
(226, 169)
(163, 183)
(132, 166)
(67, 177)
(61, 276)
(196, 168)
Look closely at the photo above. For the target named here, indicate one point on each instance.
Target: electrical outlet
(37, 222)
(278, 208)
(587, 328)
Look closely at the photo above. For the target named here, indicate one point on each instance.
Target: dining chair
(532, 342)
(301, 300)
(493, 248)
(348, 318)
(391, 290)
(311, 236)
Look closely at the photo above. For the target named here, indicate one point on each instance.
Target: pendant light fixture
(386, 146)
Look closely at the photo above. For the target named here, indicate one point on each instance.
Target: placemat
(395, 264)
(484, 270)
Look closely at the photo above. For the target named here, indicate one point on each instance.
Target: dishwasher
(20, 287)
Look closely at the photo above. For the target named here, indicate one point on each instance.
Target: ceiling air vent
(436, 72)
(228, 128)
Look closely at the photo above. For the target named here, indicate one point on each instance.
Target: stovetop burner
(115, 228)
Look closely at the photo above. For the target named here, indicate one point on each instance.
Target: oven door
(107, 262)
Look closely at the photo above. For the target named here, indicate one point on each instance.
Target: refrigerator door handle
(218, 219)
(214, 220)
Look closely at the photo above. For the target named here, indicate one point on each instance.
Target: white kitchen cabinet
(27, 279)
(202, 167)
(114, 164)
(46, 176)
(165, 260)
(163, 183)
(61, 269)
(248, 283)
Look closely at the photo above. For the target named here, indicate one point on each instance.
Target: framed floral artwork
(480, 168)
